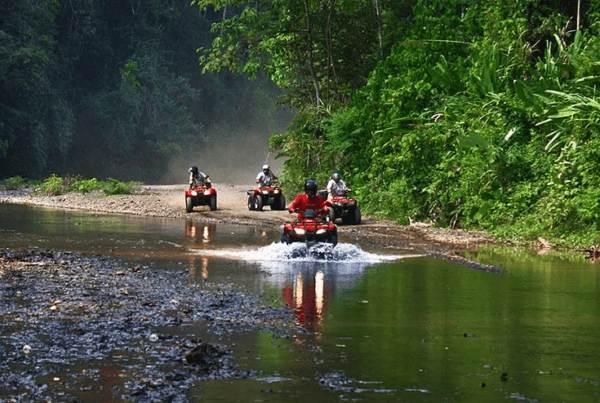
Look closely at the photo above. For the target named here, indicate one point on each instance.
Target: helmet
(310, 186)
(193, 170)
(265, 167)
(336, 176)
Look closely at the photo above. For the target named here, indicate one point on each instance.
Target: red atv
(311, 229)
(271, 195)
(204, 195)
(343, 207)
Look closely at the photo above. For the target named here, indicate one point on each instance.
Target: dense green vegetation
(470, 114)
(112, 88)
(465, 113)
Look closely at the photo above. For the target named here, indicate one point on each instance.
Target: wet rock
(95, 322)
(204, 355)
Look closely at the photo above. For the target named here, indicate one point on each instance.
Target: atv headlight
(299, 231)
(276, 191)
(194, 193)
(207, 193)
(321, 231)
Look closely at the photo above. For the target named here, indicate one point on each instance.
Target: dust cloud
(233, 157)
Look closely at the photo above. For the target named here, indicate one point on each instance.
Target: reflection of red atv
(310, 229)
(266, 196)
(204, 195)
(343, 207)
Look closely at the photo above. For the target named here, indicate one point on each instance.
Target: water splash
(297, 253)
(322, 252)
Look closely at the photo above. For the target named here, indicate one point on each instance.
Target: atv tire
(258, 203)
(285, 238)
(332, 215)
(278, 203)
(189, 204)
(213, 203)
(250, 203)
(356, 219)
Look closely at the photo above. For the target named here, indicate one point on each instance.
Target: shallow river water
(381, 327)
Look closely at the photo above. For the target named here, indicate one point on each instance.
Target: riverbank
(168, 201)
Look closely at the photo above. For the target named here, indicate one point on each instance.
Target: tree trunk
(311, 68)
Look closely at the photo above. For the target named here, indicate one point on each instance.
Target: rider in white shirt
(265, 177)
(336, 186)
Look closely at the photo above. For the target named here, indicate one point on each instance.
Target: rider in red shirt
(309, 201)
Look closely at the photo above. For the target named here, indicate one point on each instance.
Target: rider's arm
(295, 204)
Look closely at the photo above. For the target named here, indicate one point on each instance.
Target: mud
(70, 313)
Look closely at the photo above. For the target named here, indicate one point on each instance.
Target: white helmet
(265, 167)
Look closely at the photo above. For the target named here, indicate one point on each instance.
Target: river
(380, 327)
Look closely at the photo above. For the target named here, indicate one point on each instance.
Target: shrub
(85, 186)
(54, 186)
(13, 183)
(113, 187)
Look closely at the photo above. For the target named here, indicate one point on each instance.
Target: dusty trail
(168, 201)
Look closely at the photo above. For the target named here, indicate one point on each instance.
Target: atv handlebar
(318, 211)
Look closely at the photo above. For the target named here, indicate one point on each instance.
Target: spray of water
(322, 252)
(280, 256)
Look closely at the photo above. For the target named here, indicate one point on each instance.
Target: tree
(36, 121)
(318, 51)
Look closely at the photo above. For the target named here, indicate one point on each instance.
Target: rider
(336, 186)
(198, 178)
(309, 200)
(265, 177)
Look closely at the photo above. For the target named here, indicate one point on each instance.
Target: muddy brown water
(368, 327)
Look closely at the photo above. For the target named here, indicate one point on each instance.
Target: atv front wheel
(250, 203)
(332, 215)
(213, 203)
(356, 219)
(189, 204)
(258, 203)
(285, 238)
(280, 205)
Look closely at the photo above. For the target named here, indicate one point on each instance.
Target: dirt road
(168, 201)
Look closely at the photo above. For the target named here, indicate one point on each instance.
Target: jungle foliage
(463, 113)
(111, 88)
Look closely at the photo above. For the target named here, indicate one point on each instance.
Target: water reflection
(199, 265)
(309, 287)
(200, 232)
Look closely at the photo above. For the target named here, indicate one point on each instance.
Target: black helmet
(193, 169)
(310, 185)
(336, 176)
